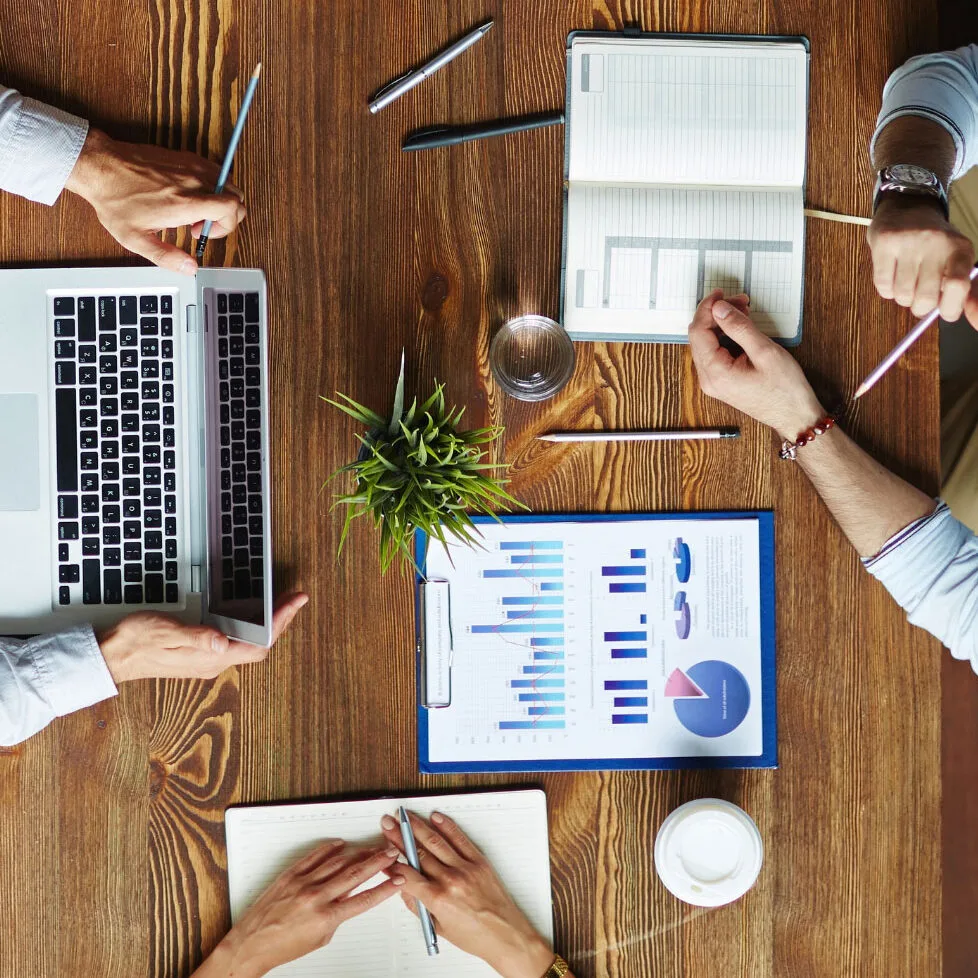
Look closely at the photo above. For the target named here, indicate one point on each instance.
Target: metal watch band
(558, 969)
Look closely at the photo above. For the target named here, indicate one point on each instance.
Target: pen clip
(380, 93)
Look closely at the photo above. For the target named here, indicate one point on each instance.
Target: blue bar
(531, 725)
(537, 559)
(526, 572)
(626, 684)
(544, 642)
(631, 701)
(537, 683)
(545, 613)
(548, 656)
(626, 588)
(490, 629)
(629, 654)
(551, 586)
(536, 599)
(542, 711)
(532, 545)
(631, 570)
(542, 697)
(642, 619)
(638, 554)
(624, 636)
(630, 718)
(547, 670)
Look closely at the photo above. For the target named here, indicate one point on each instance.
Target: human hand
(302, 909)
(149, 645)
(138, 191)
(920, 260)
(467, 899)
(764, 381)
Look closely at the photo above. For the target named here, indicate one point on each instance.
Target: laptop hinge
(196, 579)
(191, 319)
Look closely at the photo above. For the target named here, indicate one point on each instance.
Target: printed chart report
(633, 642)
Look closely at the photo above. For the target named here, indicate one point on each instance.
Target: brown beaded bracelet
(789, 450)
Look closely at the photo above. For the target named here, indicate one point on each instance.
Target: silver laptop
(134, 458)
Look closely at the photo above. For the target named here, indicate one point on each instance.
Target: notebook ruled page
(510, 827)
(688, 112)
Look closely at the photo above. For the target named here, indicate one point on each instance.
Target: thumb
(740, 329)
(160, 252)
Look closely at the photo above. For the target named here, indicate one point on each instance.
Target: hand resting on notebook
(302, 909)
(470, 906)
(148, 645)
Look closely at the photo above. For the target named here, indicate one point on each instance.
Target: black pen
(433, 136)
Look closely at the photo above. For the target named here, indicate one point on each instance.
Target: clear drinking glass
(531, 357)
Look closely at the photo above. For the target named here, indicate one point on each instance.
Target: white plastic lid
(708, 852)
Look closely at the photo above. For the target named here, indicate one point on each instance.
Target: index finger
(351, 877)
(704, 344)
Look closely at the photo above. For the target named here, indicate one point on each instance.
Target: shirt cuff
(72, 670)
(44, 146)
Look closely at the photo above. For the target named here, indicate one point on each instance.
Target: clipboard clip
(435, 645)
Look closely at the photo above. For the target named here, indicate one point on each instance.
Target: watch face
(911, 175)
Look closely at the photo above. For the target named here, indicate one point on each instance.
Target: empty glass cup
(531, 357)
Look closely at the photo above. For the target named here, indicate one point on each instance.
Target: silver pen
(411, 851)
(406, 82)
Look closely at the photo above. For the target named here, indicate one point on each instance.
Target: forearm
(914, 139)
(869, 502)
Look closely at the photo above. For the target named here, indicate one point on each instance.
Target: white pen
(677, 434)
(406, 82)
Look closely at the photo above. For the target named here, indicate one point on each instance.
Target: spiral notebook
(685, 172)
(510, 827)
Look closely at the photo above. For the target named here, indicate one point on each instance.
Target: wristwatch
(908, 178)
(558, 969)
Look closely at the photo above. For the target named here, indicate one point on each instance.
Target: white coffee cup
(708, 852)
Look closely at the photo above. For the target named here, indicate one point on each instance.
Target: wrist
(801, 416)
(532, 960)
(895, 206)
(117, 655)
(230, 960)
(94, 166)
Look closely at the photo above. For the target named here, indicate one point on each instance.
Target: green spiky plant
(417, 471)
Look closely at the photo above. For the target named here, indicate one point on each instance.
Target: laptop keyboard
(118, 510)
(241, 508)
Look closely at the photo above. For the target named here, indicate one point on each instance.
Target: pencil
(677, 434)
(229, 155)
(902, 347)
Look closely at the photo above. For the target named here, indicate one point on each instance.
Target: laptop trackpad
(20, 480)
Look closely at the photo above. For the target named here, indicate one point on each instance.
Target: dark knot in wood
(157, 777)
(435, 292)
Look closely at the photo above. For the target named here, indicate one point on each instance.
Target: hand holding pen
(468, 901)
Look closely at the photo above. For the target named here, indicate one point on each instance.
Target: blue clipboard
(769, 754)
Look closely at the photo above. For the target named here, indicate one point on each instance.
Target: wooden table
(111, 837)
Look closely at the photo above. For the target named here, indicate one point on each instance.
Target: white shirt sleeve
(940, 87)
(931, 569)
(49, 676)
(38, 146)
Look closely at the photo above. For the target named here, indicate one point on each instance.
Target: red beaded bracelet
(789, 450)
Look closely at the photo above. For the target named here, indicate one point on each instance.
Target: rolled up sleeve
(940, 87)
(49, 676)
(39, 145)
(931, 569)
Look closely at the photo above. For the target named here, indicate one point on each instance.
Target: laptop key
(171, 549)
(111, 536)
(251, 307)
(148, 305)
(64, 374)
(64, 305)
(134, 551)
(222, 302)
(235, 302)
(133, 594)
(90, 503)
(106, 312)
(90, 547)
(111, 557)
(88, 353)
(166, 304)
(69, 574)
(110, 492)
(133, 573)
(64, 327)
(127, 310)
(153, 540)
(172, 593)
(108, 343)
(68, 531)
(112, 590)
(64, 594)
(153, 584)
(86, 319)
(63, 552)
(91, 582)
(64, 349)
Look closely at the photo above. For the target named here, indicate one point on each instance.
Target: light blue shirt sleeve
(49, 676)
(940, 87)
(38, 146)
(931, 569)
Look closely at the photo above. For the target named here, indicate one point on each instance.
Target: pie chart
(723, 705)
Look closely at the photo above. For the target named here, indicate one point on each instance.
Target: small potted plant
(417, 471)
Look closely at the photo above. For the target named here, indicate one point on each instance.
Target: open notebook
(685, 172)
(510, 827)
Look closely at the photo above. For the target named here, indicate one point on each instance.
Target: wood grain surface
(112, 857)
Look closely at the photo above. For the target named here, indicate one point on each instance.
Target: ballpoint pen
(229, 155)
(679, 434)
(411, 851)
(433, 136)
(902, 347)
(407, 81)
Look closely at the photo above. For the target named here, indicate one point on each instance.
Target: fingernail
(391, 851)
(219, 643)
(722, 309)
(388, 823)
(437, 817)
(189, 267)
(398, 880)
